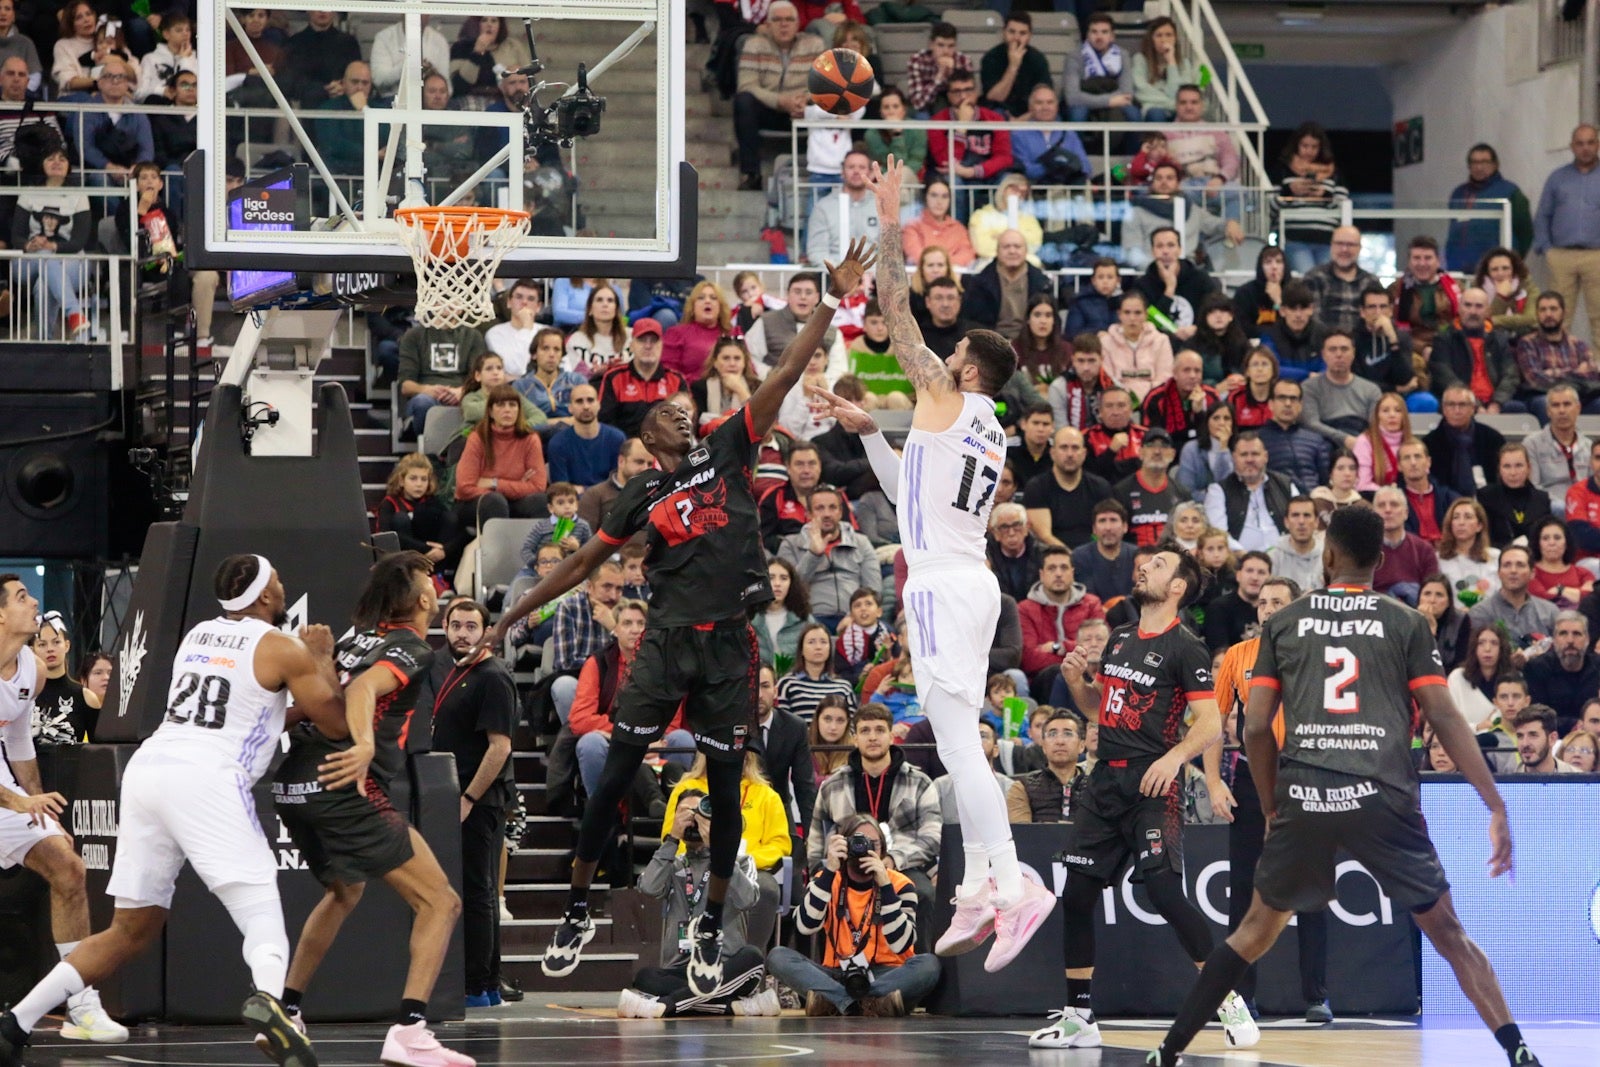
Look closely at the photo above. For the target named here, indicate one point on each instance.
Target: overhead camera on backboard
(573, 116)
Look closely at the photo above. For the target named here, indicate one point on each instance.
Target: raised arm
(885, 464)
(565, 576)
(764, 403)
(924, 370)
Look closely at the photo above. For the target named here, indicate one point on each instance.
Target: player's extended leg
(1164, 886)
(54, 860)
(322, 926)
(1074, 1026)
(435, 907)
(727, 826)
(1475, 974)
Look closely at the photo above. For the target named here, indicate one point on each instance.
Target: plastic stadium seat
(500, 552)
(443, 425)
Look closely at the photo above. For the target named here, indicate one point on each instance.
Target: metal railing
(1560, 41)
(1229, 86)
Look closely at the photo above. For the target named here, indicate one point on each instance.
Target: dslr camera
(855, 976)
(691, 833)
(858, 845)
(578, 115)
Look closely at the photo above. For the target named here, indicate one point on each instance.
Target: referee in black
(474, 711)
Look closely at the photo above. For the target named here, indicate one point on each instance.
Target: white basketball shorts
(18, 835)
(951, 613)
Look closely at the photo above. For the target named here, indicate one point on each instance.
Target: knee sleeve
(727, 824)
(600, 814)
(258, 913)
(1077, 909)
(1165, 889)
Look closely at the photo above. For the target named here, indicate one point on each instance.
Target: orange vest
(1233, 684)
(862, 907)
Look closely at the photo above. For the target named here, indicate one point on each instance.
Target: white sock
(66, 947)
(62, 983)
(984, 821)
(1006, 871)
(975, 881)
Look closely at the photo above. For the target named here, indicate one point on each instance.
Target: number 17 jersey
(947, 484)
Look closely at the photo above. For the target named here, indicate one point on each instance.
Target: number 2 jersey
(1346, 661)
(947, 484)
(1147, 682)
(217, 713)
(402, 652)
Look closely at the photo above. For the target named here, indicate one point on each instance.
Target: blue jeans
(417, 410)
(1405, 592)
(915, 978)
(1159, 114)
(562, 693)
(58, 297)
(1303, 255)
(1228, 201)
(592, 749)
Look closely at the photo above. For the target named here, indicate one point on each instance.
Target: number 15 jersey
(1347, 660)
(947, 484)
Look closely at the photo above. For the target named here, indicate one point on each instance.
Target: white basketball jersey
(947, 484)
(17, 695)
(217, 713)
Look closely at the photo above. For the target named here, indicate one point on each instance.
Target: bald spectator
(1061, 500)
(1471, 354)
(1566, 227)
(15, 43)
(1339, 283)
(1407, 558)
(340, 142)
(14, 93)
(114, 140)
(999, 295)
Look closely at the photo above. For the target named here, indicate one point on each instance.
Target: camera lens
(704, 807)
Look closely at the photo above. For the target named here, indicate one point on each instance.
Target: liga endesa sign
(1139, 968)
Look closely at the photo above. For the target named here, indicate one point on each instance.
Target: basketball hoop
(456, 251)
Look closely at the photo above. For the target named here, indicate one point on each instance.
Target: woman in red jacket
(502, 471)
(687, 345)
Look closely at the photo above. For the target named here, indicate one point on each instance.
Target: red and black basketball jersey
(1147, 681)
(702, 527)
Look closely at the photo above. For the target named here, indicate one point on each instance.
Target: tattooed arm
(926, 371)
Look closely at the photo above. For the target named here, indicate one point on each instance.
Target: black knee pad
(1165, 889)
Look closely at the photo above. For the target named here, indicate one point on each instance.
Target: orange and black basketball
(840, 81)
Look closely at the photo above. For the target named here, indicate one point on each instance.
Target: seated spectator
(724, 381)
(1013, 553)
(1252, 400)
(1060, 500)
(628, 390)
(773, 66)
(1383, 354)
(1136, 354)
(314, 60)
(812, 677)
(935, 227)
(1473, 354)
(673, 875)
(1045, 796)
(1311, 192)
(1471, 239)
(1549, 356)
(14, 90)
(773, 331)
(597, 500)
(785, 508)
(885, 976)
(979, 155)
(113, 139)
(1569, 673)
(1583, 509)
(864, 638)
(1105, 564)
(1042, 354)
(1146, 494)
(1232, 614)
(1298, 554)
(1377, 447)
(1581, 752)
(1303, 454)
(584, 450)
(1465, 452)
(1115, 441)
(1013, 68)
(1426, 299)
(1513, 297)
(1340, 492)
(539, 625)
(602, 340)
(1555, 577)
(389, 55)
(1006, 286)
(1513, 606)
(831, 726)
(159, 249)
(50, 226)
(1174, 286)
(933, 269)
(1474, 684)
(489, 371)
(1337, 283)
(159, 67)
(897, 691)
(1049, 157)
(1256, 302)
(412, 511)
(513, 339)
(339, 141)
(433, 368)
(825, 230)
(1208, 157)
(1427, 500)
(832, 557)
(1149, 213)
(1179, 405)
(1075, 395)
(1337, 403)
(1295, 338)
(928, 72)
(1010, 210)
(1252, 502)
(1051, 613)
(562, 527)
(502, 471)
(546, 384)
(779, 622)
(1207, 459)
(1093, 636)
(1514, 505)
(1407, 558)
(1537, 735)
(78, 50)
(1466, 559)
(1095, 309)
(910, 146)
(1097, 80)
(484, 43)
(1187, 524)
(176, 135)
(1447, 622)
(1159, 70)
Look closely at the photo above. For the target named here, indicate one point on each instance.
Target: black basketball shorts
(1113, 822)
(712, 669)
(344, 836)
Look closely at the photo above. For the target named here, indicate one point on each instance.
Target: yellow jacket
(766, 823)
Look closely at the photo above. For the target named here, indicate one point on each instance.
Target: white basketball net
(455, 260)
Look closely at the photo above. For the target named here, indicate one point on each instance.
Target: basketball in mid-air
(840, 81)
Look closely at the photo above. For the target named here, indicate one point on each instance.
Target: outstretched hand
(847, 413)
(846, 276)
(886, 181)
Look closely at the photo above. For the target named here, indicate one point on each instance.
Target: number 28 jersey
(947, 484)
(1146, 682)
(217, 713)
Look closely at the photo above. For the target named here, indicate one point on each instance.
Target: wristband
(830, 301)
(469, 798)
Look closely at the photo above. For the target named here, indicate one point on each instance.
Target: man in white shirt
(512, 339)
(389, 56)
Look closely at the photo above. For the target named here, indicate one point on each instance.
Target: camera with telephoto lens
(859, 845)
(855, 977)
(691, 833)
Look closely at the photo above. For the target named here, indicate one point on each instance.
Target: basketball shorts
(1320, 812)
(344, 836)
(173, 811)
(1113, 823)
(712, 669)
(18, 835)
(951, 613)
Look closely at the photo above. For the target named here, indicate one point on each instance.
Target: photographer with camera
(868, 918)
(679, 882)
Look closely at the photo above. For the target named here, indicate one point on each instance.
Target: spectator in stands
(944, 326)
(1383, 354)
(1512, 606)
(1256, 302)
(13, 42)
(825, 230)
(561, 527)
(1105, 564)
(786, 756)
(1095, 309)
(1465, 452)
(1049, 157)
(1137, 355)
(936, 228)
(1232, 614)
(175, 136)
(1051, 613)
(1075, 395)
(1310, 190)
(1537, 734)
(686, 347)
(1115, 440)
(1466, 559)
(1207, 458)
(1377, 447)
(502, 472)
(773, 66)
(1147, 494)
(1045, 796)
(830, 556)
(1581, 752)
(1447, 622)
(1338, 404)
(632, 460)
(412, 511)
(785, 508)
(1042, 353)
(875, 885)
(1338, 283)
(50, 226)
(1555, 577)
(775, 329)
(900, 12)
(64, 712)
(999, 295)
(1298, 554)
(1427, 500)
(1293, 449)
(315, 59)
(1583, 509)
(1147, 214)
(830, 725)
(1031, 454)
(979, 155)
(724, 381)
(778, 623)
(1208, 157)
(14, 89)
(1549, 356)
(1486, 660)
(1474, 354)
(585, 449)
(928, 71)
(78, 50)
(1160, 70)
(584, 625)
(1407, 558)
(1566, 231)
(1513, 297)
(389, 55)
(159, 246)
(1173, 285)
(114, 140)
(1059, 501)
(911, 146)
(627, 390)
(1097, 80)
(1514, 505)
(1556, 451)
(865, 638)
(1426, 299)
(1221, 343)
(1013, 68)
(1296, 338)
(161, 65)
(1179, 404)
(1252, 400)
(433, 368)
(602, 340)
(483, 44)
(337, 141)
(1252, 502)
(1013, 553)
(513, 340)
(812, 677)
(1471, 239)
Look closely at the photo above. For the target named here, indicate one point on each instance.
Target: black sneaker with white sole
(13, 1039)
(705, 957)
(286, 1045)
(566, 946)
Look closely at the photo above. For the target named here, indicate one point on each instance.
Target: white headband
(253, 593)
